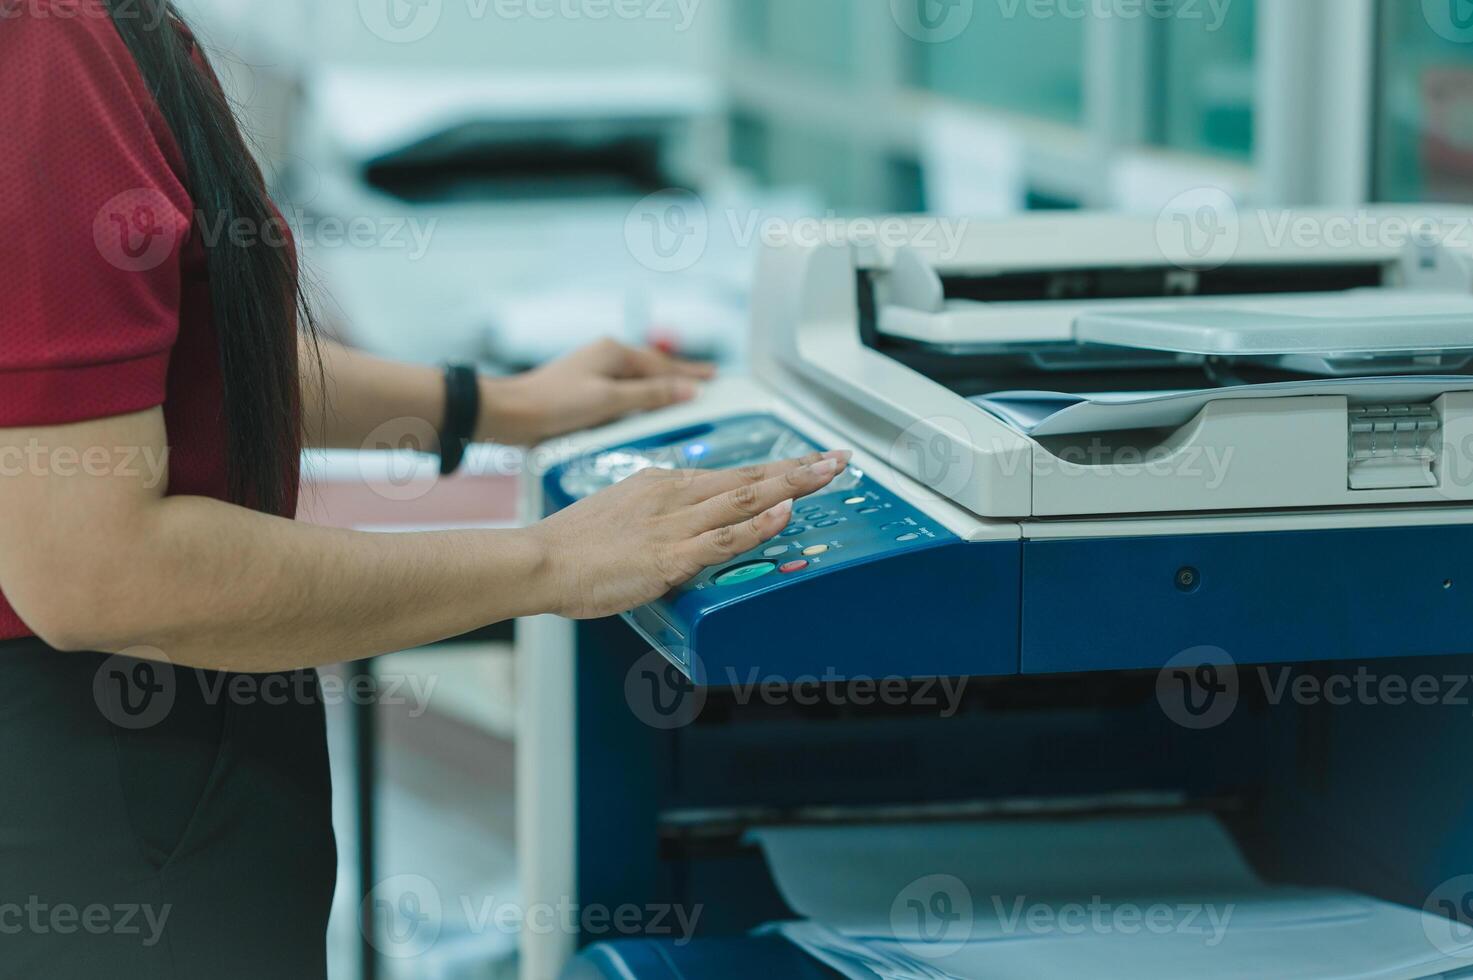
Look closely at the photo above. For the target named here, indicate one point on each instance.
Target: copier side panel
(1125, 603)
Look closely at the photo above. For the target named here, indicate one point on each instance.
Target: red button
(793, 566)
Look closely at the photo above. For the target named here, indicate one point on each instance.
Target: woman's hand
(637, 540)
(599, 383)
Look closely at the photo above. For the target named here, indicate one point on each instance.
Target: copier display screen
(714, 447)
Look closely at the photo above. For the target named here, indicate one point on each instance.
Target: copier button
(775, 550)
(908, 537)
(827, 524)
(794, 531)
(815, 550)
(855, 501)
(869, 510)
(793, 566)
(739, 574)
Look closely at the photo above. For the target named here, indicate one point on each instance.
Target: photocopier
(1151, 579)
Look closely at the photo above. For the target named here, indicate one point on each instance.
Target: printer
(1090, 469)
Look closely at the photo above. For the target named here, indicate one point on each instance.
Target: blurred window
(1009, 57)
(1208, 78)
(804, 35)
(1424, 111)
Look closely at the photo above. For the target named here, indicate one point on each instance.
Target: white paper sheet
(1389, 945)
(1174, 855)
(1052, 413)
(1133, 898)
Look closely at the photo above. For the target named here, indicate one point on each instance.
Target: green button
(738, 574)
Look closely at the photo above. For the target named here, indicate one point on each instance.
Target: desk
(356, 491)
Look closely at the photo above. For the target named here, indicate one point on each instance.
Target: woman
(194, 840)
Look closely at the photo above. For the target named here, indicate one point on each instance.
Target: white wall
(517, 35)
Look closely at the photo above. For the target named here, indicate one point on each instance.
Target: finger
(751, 499)
(648, 394)
(619, 360)
(646, 362)
(708, 483)
(726, 542)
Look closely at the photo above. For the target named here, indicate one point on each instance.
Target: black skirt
(159, 822)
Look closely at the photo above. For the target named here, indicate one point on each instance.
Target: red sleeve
(93, 217)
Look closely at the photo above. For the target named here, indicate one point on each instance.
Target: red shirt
(104, 296)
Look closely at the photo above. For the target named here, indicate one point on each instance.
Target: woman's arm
(365, 399)
(94, 556)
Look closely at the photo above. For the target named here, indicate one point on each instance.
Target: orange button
(793, 566)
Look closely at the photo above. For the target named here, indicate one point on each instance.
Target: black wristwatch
(462, 409)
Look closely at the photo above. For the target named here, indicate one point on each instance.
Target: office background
(518, 138)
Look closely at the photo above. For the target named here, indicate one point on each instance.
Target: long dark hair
(255, 289)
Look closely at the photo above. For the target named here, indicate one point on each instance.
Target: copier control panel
(853, 523)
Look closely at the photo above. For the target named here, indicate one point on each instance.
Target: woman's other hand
(596, 384)
(637, 540)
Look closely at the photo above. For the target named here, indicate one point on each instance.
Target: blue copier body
(1065, 665)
